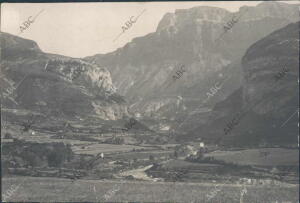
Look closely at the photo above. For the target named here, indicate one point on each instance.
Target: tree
(151, 157)
(119, 140)
(54, 159)
(200, 154)
(175, 154)
(8, 136)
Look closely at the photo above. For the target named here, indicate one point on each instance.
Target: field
(181, 164)
(94, 149)
(261, 157)
(132, 162)
(143, 155)
(55, 189)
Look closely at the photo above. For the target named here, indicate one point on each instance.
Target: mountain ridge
(143, 67)
(38, 81)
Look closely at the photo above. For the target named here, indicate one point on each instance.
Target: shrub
(151, 158)
(8, 136)
(54, 159)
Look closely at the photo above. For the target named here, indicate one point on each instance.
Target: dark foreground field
(64, 190)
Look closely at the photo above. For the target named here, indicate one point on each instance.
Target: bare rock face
(268, 98)
(173, 22)
(55, 85)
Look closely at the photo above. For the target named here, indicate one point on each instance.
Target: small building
(185, 150)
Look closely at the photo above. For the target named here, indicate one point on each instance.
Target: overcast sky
(85, 29)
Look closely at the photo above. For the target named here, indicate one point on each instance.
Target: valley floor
(62, 162)
(39, 189)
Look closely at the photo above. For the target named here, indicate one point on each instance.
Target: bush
(54, 159)
(8, 136)
(114, 140)
(151, 158)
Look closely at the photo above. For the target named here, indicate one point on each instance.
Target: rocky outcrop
(55, 85)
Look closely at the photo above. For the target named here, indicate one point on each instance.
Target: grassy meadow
(64, 190)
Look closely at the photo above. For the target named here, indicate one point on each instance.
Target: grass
(64, 190)
(259, 157)
(105, 148)
(181, 164)
(142, 155)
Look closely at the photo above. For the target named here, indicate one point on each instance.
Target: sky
(85, 29)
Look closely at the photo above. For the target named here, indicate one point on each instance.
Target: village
(120, 154)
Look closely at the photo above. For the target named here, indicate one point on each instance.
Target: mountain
(265, 108)
(143, 70)
(55, 85)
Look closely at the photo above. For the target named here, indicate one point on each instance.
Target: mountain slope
(55, 85)
(143, 69)
(268, 100)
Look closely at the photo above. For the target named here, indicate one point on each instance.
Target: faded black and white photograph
(175, 102)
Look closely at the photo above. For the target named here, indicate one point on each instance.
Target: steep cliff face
(268, 98)
(143, 69)
(55, 85)
(76, 71)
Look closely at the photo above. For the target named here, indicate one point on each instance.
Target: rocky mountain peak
(274, 10)
(173, 22)
(196, 15)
